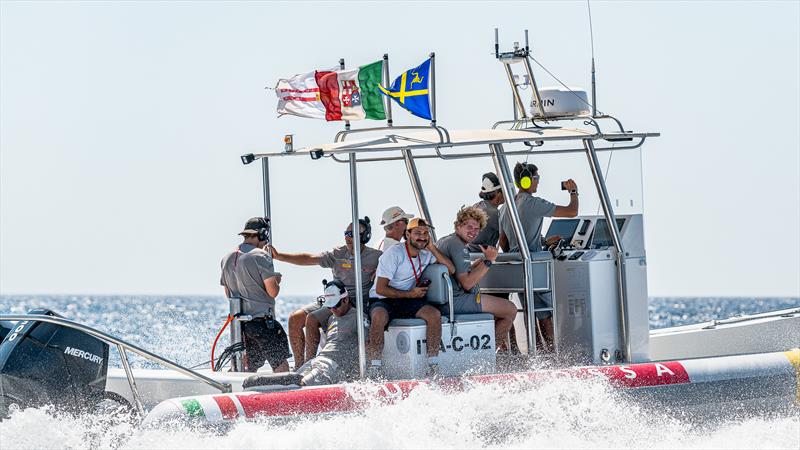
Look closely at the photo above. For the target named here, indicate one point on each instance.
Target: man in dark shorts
(249, 274)
(340, 261)
(399, 291)
(467, 298)
(532, 211)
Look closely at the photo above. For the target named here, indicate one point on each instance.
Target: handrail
(122, 346)
(449, 285)
(767, 315)
(444, 135)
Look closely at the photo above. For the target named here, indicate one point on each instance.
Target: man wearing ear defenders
(532, 211)
(248, 274)
(340, 261)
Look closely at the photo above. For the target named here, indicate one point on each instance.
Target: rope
(214, 345)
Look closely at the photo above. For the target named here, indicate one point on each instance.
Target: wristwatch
(487, 263)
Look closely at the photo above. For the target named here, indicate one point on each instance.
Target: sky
(122, 123)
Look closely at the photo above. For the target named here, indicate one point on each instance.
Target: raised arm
(570, 210)
(298, 259)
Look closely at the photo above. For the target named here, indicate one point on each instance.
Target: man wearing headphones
(532, 211)
(248, 273)
(340, 261)
(338, 360)
(492, 197)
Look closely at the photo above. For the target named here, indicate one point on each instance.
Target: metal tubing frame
(444, 135)
(235, 309)
(387, 101)
(449, 286)
(105, 337)
(608, 212)
(535, 87)
(126, 365)
(501, 166)
(341, 67)
(265, 187)
(362, 351)
(517, 98)
(416, 185)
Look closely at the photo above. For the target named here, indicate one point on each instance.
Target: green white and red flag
(334, 94)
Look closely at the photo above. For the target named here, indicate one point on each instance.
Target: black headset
(525, 176)
(263, 232)
(367, 234)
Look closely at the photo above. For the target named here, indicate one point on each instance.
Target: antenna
(591, 38)
(519, 55)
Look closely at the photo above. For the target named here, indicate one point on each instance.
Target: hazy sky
(121, 126)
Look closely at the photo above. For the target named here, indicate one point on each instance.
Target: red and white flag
(299, 96)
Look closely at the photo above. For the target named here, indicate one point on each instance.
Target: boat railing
(122, 347)
(444, 135)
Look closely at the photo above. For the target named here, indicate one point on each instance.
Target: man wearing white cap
(338, 360)
(394, 221)
(492, 197)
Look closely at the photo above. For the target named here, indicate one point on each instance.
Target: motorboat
(597, 275)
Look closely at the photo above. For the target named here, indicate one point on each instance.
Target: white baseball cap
(394, 214)
(334, 293)
(490, 182)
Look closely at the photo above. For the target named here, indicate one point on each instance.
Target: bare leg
(547, 331)
(504, 312)
(296, 337)
(282, 367)
(377, 322)
(312, 338)
(433, 332)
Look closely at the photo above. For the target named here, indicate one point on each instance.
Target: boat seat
(438, 289)
(506, 275)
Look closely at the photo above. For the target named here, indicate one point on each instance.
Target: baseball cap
(254, 224)
(394, 214)
(490, 182)
(334, 293)
(417, 222)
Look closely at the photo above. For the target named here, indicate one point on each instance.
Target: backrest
(437, 291)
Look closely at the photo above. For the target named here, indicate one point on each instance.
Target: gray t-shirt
(341, 334)
(532, 211)
(456, 250)
(341, 263)
(244, 272)
(491, 233)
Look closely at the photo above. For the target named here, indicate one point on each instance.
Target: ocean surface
(559, 414)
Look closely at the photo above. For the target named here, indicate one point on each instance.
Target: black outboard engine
(47, 364)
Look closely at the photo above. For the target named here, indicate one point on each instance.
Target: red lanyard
(414, 269)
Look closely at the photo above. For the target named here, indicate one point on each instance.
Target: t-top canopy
(420, 138)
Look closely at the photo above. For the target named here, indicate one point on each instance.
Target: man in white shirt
(394, 221)
(399, 290)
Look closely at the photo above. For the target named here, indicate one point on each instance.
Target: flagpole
(387, 102)
(341, 66)
(433, 89)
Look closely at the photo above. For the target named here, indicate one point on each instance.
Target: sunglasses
(336, 305)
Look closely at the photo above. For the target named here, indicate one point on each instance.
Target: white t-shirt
(395, 265)
(387, 243)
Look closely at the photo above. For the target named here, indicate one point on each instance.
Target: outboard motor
(47, 364)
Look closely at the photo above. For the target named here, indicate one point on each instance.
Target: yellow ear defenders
(525, 177)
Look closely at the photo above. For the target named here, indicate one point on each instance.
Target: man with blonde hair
(467, 298)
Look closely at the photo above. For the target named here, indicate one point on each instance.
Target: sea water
(557, 414)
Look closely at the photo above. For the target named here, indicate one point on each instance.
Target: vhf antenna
(516, 56)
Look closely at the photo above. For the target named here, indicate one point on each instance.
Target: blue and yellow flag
(410, 90)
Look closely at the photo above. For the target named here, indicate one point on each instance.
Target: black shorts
(398, 308)
(265, 340)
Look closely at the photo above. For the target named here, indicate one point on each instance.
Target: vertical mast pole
(416, 186)
(341, 66)
(608, 212)
(432, 94)
(387, 102)
(265, 187)
(362, 349)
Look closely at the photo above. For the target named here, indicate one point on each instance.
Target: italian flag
(352, 94)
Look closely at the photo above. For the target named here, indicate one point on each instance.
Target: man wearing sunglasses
(338, 359)
(532, 211)
(340, 261)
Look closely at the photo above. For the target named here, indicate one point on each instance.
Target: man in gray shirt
(340, 261)
(532, 211)
(467, 298)
(338, 360)
(492, 197)
(248, 273)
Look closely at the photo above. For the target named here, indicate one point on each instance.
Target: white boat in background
(598, 277)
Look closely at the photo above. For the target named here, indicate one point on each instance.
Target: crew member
(467, 299)
(399, 291)
(532, 211)
(492, 197)
(338, 359)
(248, 273)
(394, 221)
(340, 261)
